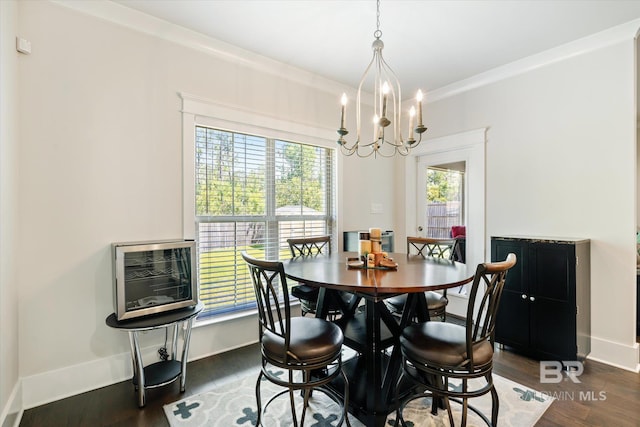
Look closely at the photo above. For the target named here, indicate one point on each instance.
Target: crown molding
(147, 24)
(141, 22)
(581, 46)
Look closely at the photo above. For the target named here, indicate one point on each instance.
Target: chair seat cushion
(397, 302)
(308, 296)
(305, 292)
(441, 344)
(435, 301)
(312, 341)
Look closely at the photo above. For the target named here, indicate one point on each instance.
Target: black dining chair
(309, 246)
(435, 352)
(308, 349)
(306, 294)
(427, 247)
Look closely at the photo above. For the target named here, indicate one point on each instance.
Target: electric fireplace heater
(153, 277)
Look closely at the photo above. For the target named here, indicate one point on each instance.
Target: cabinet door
(512, 322)
(553, 310)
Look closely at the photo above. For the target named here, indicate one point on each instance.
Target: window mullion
(271, 242)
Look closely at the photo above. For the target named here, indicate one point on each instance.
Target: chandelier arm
(394, 143)
(358, 97)
(365, 155)
(382, 152)
(404, 150)
(347, 151)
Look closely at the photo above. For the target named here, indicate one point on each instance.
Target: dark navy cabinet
(545, 310)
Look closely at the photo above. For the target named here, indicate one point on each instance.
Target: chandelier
(387, 98)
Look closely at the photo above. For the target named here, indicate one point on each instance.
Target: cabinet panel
(512, 321)
(551, 271)
(499, 251)
(553, 330)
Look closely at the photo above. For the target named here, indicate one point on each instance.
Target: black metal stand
(166, 371)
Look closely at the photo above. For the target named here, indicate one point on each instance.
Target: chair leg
(449, 412)
(258, 401)
(396, 398)
(465, 403)
(307, 394)
(495, 406)
(346, 397)
(293, 403)
(445, 386)
(435, 397)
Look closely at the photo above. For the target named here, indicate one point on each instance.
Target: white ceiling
(428, 43)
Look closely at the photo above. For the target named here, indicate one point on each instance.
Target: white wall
(100, 161)
(8, 211)
(561, 161)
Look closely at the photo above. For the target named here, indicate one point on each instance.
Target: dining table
(369, 327)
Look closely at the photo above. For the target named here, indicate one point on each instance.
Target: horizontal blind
(252, 194)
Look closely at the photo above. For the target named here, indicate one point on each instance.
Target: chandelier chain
(378, 33)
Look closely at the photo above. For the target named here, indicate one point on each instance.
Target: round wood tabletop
(414, 274)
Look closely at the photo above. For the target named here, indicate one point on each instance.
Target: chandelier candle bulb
(343, 101)
(385, 93)
(412, 115)
(419, 99)
(376, 121)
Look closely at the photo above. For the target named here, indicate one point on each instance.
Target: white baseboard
(50, 386)
(615, 354)
(12, 412)
(58, 384)
(206, 340)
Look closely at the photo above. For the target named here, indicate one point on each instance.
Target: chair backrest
(274, 315)
(435, 248)
(306, 246)
(484, 299)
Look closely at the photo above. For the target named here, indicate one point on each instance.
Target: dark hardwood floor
(606, 396)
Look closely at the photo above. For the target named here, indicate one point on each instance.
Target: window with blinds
(252, 194)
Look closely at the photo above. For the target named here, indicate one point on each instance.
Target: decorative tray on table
(383, 264)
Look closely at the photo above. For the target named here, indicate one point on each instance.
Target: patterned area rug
(234, 404)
